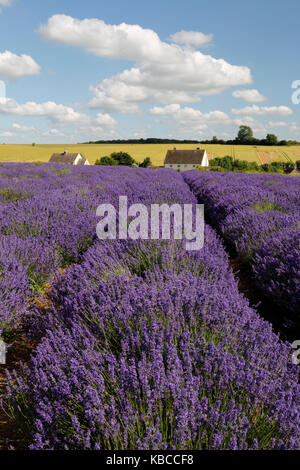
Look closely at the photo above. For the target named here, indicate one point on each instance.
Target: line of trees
(150, 140)
(122, 158)
(245, 137)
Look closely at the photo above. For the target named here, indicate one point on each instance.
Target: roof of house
(189, 157)
(65, 157)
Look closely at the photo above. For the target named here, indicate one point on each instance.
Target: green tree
(271, 139)
(146, 163)
(240, 165)
(224, 162)
(245, 134)
(123, 158)
(106, 161)
(288, 167)
(266, 167)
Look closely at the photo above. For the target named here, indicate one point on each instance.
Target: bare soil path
(19, 351)
(266, 309)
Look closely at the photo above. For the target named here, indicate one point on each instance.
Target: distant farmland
(157, 152)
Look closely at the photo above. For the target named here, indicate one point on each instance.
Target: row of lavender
(47, 221)
(147, 346)
(258, 215)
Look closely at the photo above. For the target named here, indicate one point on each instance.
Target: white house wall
(77, 159)
(205, 161)
(184, 167)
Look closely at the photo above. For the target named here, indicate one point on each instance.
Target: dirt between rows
(287, 330)
(19, 351)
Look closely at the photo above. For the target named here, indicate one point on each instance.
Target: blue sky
(77, 71)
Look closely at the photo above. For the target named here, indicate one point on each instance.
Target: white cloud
(260, 131)
(193, 38)
(105, 120)
(50, 133)
(20, 128)
(110, 103)
(5, 3)
(113, 41)
(264, 110)
(163, 73)
(277, 124)
(247, 121)
(171, 109)
(294, 127)
(102, 126)
(56, 112)
(139, 134)
(97, 131)
(6, 134)
(190, 114)
(53, 133)
(116, 95)
(191, 118)
(14, 66)
(252, 96)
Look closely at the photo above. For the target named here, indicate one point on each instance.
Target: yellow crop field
(157, 152)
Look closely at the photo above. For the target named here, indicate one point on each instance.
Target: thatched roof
(187, 157)
(66, 157)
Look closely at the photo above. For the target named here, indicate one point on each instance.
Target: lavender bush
(47, 221)
(259, 216)
(144, 345)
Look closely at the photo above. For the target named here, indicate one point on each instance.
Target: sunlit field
(157, 152)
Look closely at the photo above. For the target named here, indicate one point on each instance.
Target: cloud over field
(53, 133)
(58, 113)
(252, 96)
(15, 66)
(277, 124)
(162, 73)
(264, 110)
(105, 120)
(6, 134)
(192, 118)
(21, 128)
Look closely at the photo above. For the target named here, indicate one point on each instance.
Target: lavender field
(258, 216)
(141, 344)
